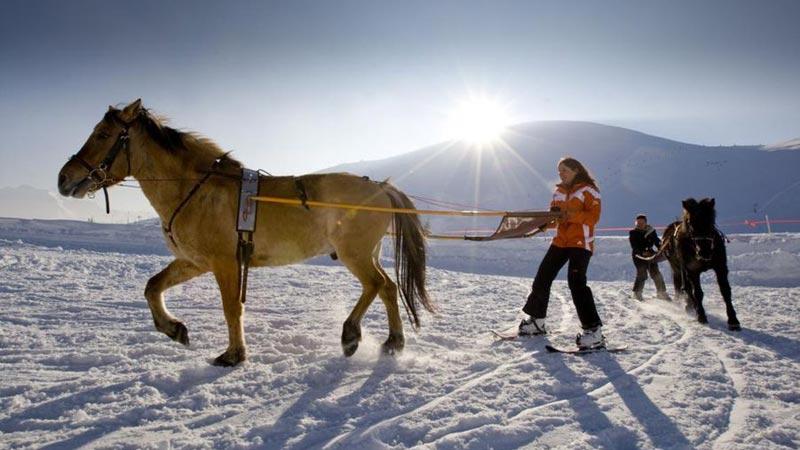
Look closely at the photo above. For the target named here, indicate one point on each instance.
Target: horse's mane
(176, 141)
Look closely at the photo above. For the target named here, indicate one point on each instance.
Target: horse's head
(99, 163)
(699, 221)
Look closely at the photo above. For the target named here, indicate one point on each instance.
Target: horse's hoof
(394, 345)
(702, 319)
(351, 336)
(179, 333)
(349, 348)
(229, 359)
(734, 326)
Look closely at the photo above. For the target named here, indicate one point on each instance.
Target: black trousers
(582, 297)
(642, 269)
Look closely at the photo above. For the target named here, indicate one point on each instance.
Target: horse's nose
(63, 180)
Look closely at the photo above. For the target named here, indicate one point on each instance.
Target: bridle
(99, 175)
(696, 240)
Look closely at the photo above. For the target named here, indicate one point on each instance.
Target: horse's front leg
(696, 296)
(725, 290)
(177, 272)
(228, 281)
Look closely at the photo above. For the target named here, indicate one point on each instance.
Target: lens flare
(478, 121)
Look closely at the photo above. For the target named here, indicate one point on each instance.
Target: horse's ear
(131, 111)
(689, 203)
(711, 201)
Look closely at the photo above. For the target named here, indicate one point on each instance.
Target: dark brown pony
(694, 245)
(194, 187)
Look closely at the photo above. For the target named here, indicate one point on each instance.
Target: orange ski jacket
(582, 205)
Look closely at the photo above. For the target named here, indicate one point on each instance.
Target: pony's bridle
(99, 175)
(696, 241)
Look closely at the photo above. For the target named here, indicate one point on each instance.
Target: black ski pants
(642, 269)
(582, 297)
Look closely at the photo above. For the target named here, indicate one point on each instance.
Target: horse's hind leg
(388, 293)
(725, 290)
(177, 272)
(677, 283)
(372, 282)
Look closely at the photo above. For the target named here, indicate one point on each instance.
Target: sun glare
(478, 121)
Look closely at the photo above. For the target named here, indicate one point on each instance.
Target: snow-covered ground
(83, 367)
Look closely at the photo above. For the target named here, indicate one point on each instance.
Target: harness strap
(244, 252)
(108, 205)
(301, 192)
(168, 229)
(246, 226)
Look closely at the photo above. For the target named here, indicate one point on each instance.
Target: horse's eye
(103, 136)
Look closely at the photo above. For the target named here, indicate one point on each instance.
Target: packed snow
(82, 365)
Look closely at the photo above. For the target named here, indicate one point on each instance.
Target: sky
(297, 86)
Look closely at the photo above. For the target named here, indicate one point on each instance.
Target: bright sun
(478, 121)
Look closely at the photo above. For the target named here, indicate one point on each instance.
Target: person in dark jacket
(643, 238)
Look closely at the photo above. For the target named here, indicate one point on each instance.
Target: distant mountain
(26, 202)
(636, 173)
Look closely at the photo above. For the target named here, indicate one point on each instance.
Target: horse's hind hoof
(394, 345)
(351, 336)
(734, 327)
(349, 348)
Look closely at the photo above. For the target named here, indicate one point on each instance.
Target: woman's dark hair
(582, 175)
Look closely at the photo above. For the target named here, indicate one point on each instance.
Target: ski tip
(505, 335)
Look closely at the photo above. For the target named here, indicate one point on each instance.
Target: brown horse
(694, 245)
(194, 187)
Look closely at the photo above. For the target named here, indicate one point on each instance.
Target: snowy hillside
(636, 173)
(83, 367)
(792, 144)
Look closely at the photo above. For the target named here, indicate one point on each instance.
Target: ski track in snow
(83, 366)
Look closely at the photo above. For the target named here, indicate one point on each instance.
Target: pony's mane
(705, 214)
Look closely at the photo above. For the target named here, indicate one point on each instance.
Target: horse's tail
(409, 255)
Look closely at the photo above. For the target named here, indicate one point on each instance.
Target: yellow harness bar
(294, 201)
(505, 230)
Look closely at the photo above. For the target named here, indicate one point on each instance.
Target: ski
(584, 351)
(506, 335)
(511, 333)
